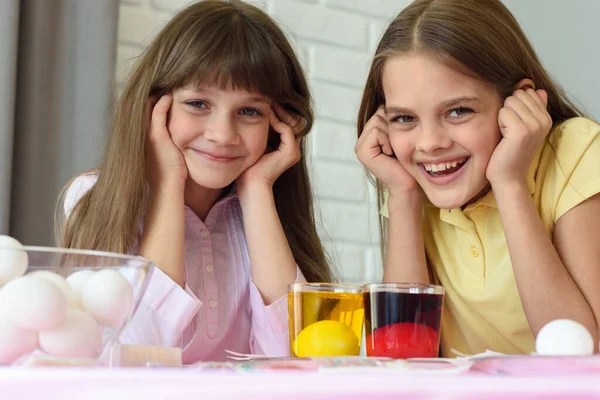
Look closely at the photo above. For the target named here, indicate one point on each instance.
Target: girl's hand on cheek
(271, 165)
(165, 162)
(374, 151)
(524, 123)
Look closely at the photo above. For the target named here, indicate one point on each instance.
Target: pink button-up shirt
(220, 308)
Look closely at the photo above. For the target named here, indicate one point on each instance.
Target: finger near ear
(160, 110)
(530, 99)
(295, 121)
(524, 84)
(159, 114)
(384, 142)
(386, 149)
(287, 137)
(537, 99)
(163, 104)
(274, 120)
(280, 112)
(508, 117)
(543, 96)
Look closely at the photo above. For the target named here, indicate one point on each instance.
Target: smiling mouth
(214, 157)
(444, 169)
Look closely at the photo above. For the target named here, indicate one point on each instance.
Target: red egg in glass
(402, 320)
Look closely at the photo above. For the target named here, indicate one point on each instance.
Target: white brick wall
(335, 40)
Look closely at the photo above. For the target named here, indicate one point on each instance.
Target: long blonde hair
(212, 42)
(480, 38)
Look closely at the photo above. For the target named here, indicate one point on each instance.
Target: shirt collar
(231, 195)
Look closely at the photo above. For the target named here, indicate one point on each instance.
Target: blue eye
(250, 112)
(197, 104)
(459, 111)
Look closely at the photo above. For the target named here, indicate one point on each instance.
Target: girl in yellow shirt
(488, 176)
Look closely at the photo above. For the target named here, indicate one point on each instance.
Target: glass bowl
(66, 307)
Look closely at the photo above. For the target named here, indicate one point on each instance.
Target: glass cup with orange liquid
(326, 319)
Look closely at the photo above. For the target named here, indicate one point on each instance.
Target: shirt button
(474, 252)
(212, 303)
(209, 268)
(203, 233)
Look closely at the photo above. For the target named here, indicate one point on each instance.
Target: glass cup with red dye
(402, 320)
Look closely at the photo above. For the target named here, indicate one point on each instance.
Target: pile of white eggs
(60, 317)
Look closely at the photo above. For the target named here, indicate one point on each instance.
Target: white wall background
(335, 39)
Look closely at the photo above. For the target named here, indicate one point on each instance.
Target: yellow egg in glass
(326, 319)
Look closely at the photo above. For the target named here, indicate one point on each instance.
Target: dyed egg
(77, 282)
(13, 259)
(79, 335)
(33, 303)
(15, 342)
(326, 339)
(563, 337)
(108, 297)
(403, 340)
(58, 281)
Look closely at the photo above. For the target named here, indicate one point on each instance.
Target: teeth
(442, 166)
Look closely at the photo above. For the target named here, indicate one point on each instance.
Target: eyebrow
(444, 104)
(258, 99)
(253, 99)
(458, 100)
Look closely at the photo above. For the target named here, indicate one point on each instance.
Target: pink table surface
(147, 384)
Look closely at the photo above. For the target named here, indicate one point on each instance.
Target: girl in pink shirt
(205, 174)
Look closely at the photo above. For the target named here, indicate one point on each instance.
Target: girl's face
(220, 133)
(443, 127)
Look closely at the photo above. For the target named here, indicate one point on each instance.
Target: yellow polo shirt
(469, 256)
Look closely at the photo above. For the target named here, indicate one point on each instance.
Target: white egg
(563, 337)
(15, 342)
(33, 303)
(77, 281)
(79, 335)
(58, 281)
(13, 259)
(108, 297)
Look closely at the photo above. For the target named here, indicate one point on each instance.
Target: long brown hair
(480, 38)
(227, 43)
